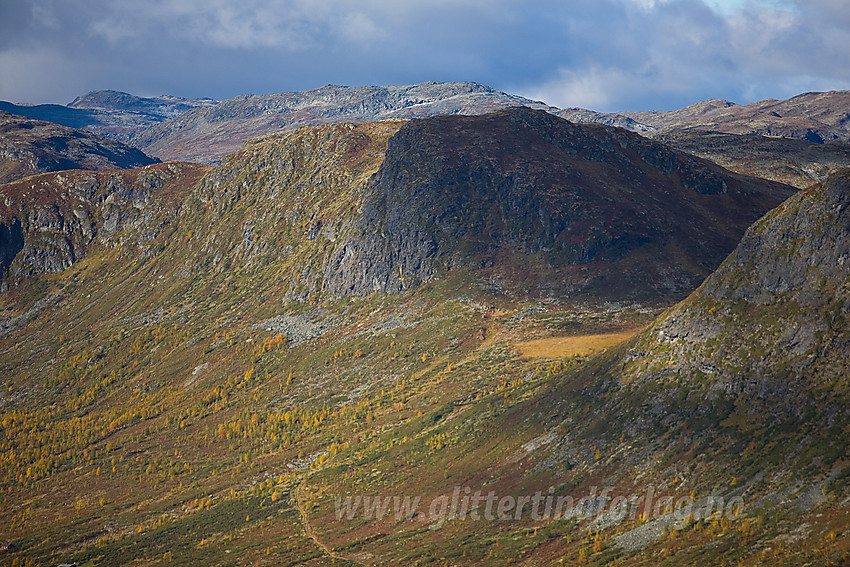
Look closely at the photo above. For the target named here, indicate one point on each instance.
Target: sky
(605, 55)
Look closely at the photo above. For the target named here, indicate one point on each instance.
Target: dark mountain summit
(540, 203)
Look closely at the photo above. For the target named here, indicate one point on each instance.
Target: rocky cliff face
(207, 134)
(773, 322)
(29, 147)
(49, 221)
(537, 203)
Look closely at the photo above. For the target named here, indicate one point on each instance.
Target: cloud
(602, 54)
(20, 84)
(692, 51)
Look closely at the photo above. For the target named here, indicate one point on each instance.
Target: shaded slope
(206, 135)
(28, 147)
(774, 317)
(544, 206)
(737, 395)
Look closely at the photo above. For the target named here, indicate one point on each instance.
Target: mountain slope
(205, 382)
(29, 147)
(538, 203)
(716, 436)
(49, 221)
(518, 199)
(787, 160)
(206, 135)
(779, 140)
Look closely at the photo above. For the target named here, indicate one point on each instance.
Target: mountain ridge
(113, 114)
(206, 135)
(30, 147)
(815, 116)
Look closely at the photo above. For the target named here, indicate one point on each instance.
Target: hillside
(718, 435)
(520, 200)
(391, 308)
(50, 221)
(29, 147)
(206, 135)
(538, 203)
(799, 141)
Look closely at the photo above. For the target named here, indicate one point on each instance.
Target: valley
(562, 343)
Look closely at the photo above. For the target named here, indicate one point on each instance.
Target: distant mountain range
(114, 114)
(208, 134)
(204, 130)
(815, 117)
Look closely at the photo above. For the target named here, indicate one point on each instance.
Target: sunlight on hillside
(559, 347)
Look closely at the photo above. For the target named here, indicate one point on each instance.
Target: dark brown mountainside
(537, 202)
(207, 134)
(28, 147)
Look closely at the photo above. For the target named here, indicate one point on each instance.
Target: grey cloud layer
(602, 54)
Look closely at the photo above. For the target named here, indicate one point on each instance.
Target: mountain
(542, 204)
(162, 106)
(817, 117)
(798, 141)
(715, 433)
(519, 198)
(206, 135)
(28, 147)
(113, 114)
(398, 310)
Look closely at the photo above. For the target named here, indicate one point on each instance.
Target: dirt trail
(308, 528)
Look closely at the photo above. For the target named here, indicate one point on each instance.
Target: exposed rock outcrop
(544, 204)
(48, 222)
(774, 319)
